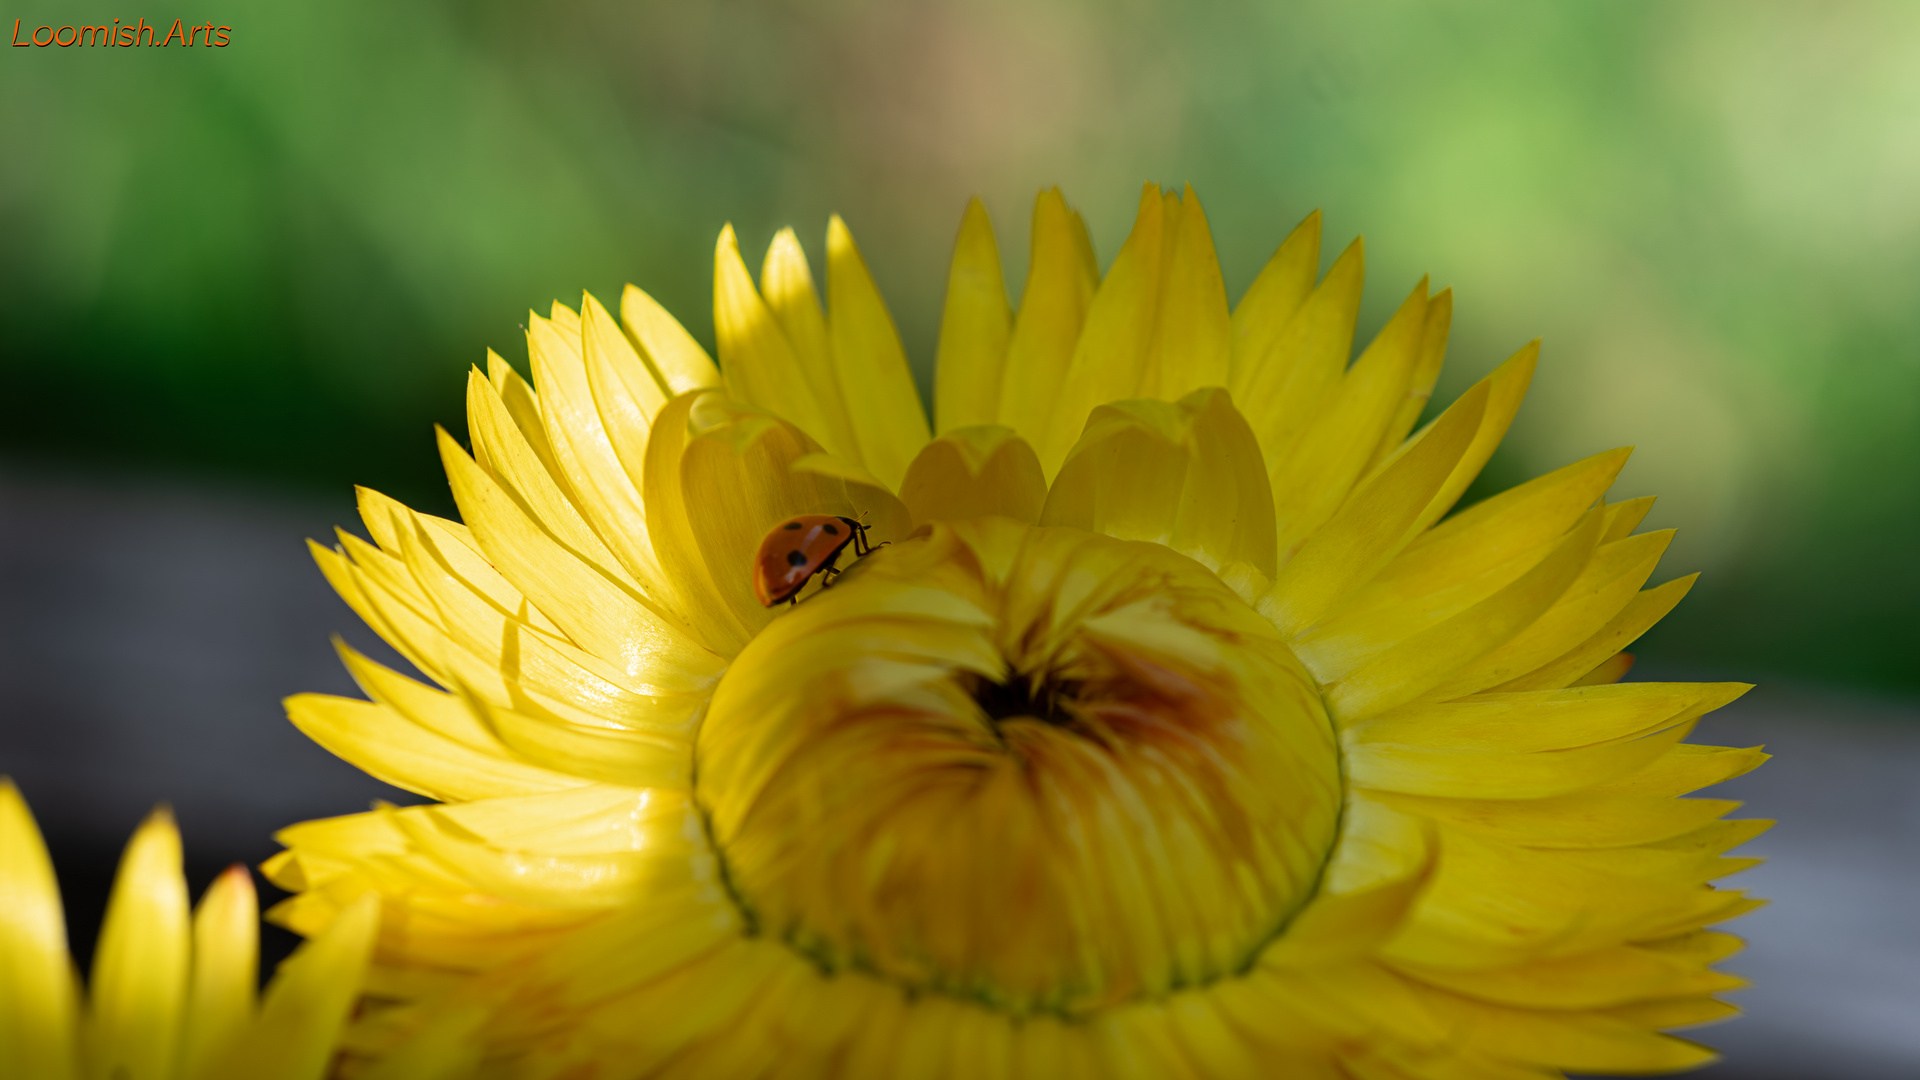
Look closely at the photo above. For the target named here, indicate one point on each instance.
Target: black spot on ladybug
(830, 530)
(796, 557)
(793, 525)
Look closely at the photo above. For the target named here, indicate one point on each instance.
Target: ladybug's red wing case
(797, 549)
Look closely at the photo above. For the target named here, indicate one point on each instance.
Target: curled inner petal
(1038, 768)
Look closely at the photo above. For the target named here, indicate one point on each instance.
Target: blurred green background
(274, 260)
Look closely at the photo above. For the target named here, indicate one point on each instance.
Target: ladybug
(799, 548)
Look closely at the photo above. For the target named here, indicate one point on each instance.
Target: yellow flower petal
(308, 1001)
(1312, 475)
(1624, 517)
(608, 497)
(972, 472)
(975, 327)
(1426, 369)
(1193, 337)
(411, 756)
(592, 605)
(1587, 1043)
(1687, 768)
(1348, 925)
(226, 967)
(1505, 389)
(1061, 279)
(1595, 980)
(1537, 720)
(759, 363)
(610, 755)
(1609, 582)
(1611, 670)
(139, 979)
(1376, 524)
(1645, 609)
(522, 410)
(1110, 360)
(1673, 1013)
(787, 285)
(445, 1048)
(1283, 284)
(39, 1007)
(1495, 905)
(874, 378)
(715, 623)
(1187, 475)
(1284, 386)
(625, 390)
(883, 514)
(582, 882)
(1500, 774)
(523, 477)
(1415, 664)
(1451, 568)
(1591, 818)
(671, 353)
(485, 623)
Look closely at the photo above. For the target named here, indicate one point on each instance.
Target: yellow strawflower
(1172, 734)
(172, 991)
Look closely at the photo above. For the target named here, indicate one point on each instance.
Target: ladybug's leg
(863, 546)
(828, 571)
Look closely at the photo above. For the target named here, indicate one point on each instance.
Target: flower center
(1021, 700)
(1039, 768)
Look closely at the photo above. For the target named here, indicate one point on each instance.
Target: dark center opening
(1021, 698)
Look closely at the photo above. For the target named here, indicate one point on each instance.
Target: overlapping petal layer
(905, 829)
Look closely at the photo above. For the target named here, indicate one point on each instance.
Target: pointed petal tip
(1352, 261)
(237, 875)
(1050, 200)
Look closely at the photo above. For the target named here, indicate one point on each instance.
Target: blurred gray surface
(148, 631)
(1835, 956)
